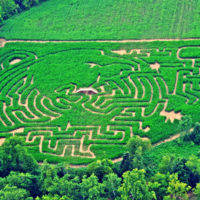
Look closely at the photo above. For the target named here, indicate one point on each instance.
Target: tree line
(134, 178)
(12, 7)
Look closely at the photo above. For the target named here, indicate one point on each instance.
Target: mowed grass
(106, 19)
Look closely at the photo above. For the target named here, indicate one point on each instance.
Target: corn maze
(80, 101)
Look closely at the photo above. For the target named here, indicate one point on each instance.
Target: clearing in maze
(80, 101)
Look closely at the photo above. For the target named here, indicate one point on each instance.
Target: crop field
(106, 19)
(81, 101)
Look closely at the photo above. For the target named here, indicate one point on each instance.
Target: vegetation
(100, 180)
(62, 125)
(11, 7)
(105, 19)
(99, 120)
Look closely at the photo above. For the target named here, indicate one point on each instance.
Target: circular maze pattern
(81, 102)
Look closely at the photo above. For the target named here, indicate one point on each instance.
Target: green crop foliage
(105, 19)
(145, 92)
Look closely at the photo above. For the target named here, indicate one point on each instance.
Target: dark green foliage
(14, 157)
(159, 184)
(136, 148)
(62, 183)
(184, 173)
(112, 183)
(100, 168)
(134, 186)
(173, 164)
(137, 144)
(14, 193)
(48, 175)
(168, 163)
(55, 197)
(194, 135)
(91, 189)
(8, 8)
(26, 181)
(193, 163)
(65, 186)
(11, 7)
(125, 165)
(185, 125)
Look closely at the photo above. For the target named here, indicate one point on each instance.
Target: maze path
(24, 100)
(128, 102)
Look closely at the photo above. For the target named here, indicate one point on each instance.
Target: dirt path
(178, 56)
(160, 92)
(15, 61)
(2, 140)
(143, 88)
(170, 115)
(3, 41)
(174, 137)
(133, 84)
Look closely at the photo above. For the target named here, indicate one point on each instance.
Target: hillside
(106, 19)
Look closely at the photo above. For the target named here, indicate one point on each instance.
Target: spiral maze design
(130, 102)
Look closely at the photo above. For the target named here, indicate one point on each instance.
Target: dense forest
(11, 7)
(135, 178)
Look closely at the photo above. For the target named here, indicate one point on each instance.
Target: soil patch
(155, 66)
(14, 61)
(88, 91)
(2, 140)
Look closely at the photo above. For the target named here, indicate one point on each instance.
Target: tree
(159, 184)
(171, 164)
(55, 197)
(65, 186)
(193, 164)
(14, 157)
(196, 191)
(14, 193)
(167, 164)
(112, 183)
(1, 16)
(135, 187)
(47, 177)
(91, 188)
(136, 147)
(125, 165)
(137, 161)
(8, 8)
(182, 170)
(176, 189)
(11, 7)
(26, 181)
(185, 125)
(195, 134)
(24, 4)
(100, 168)
(136, 142)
